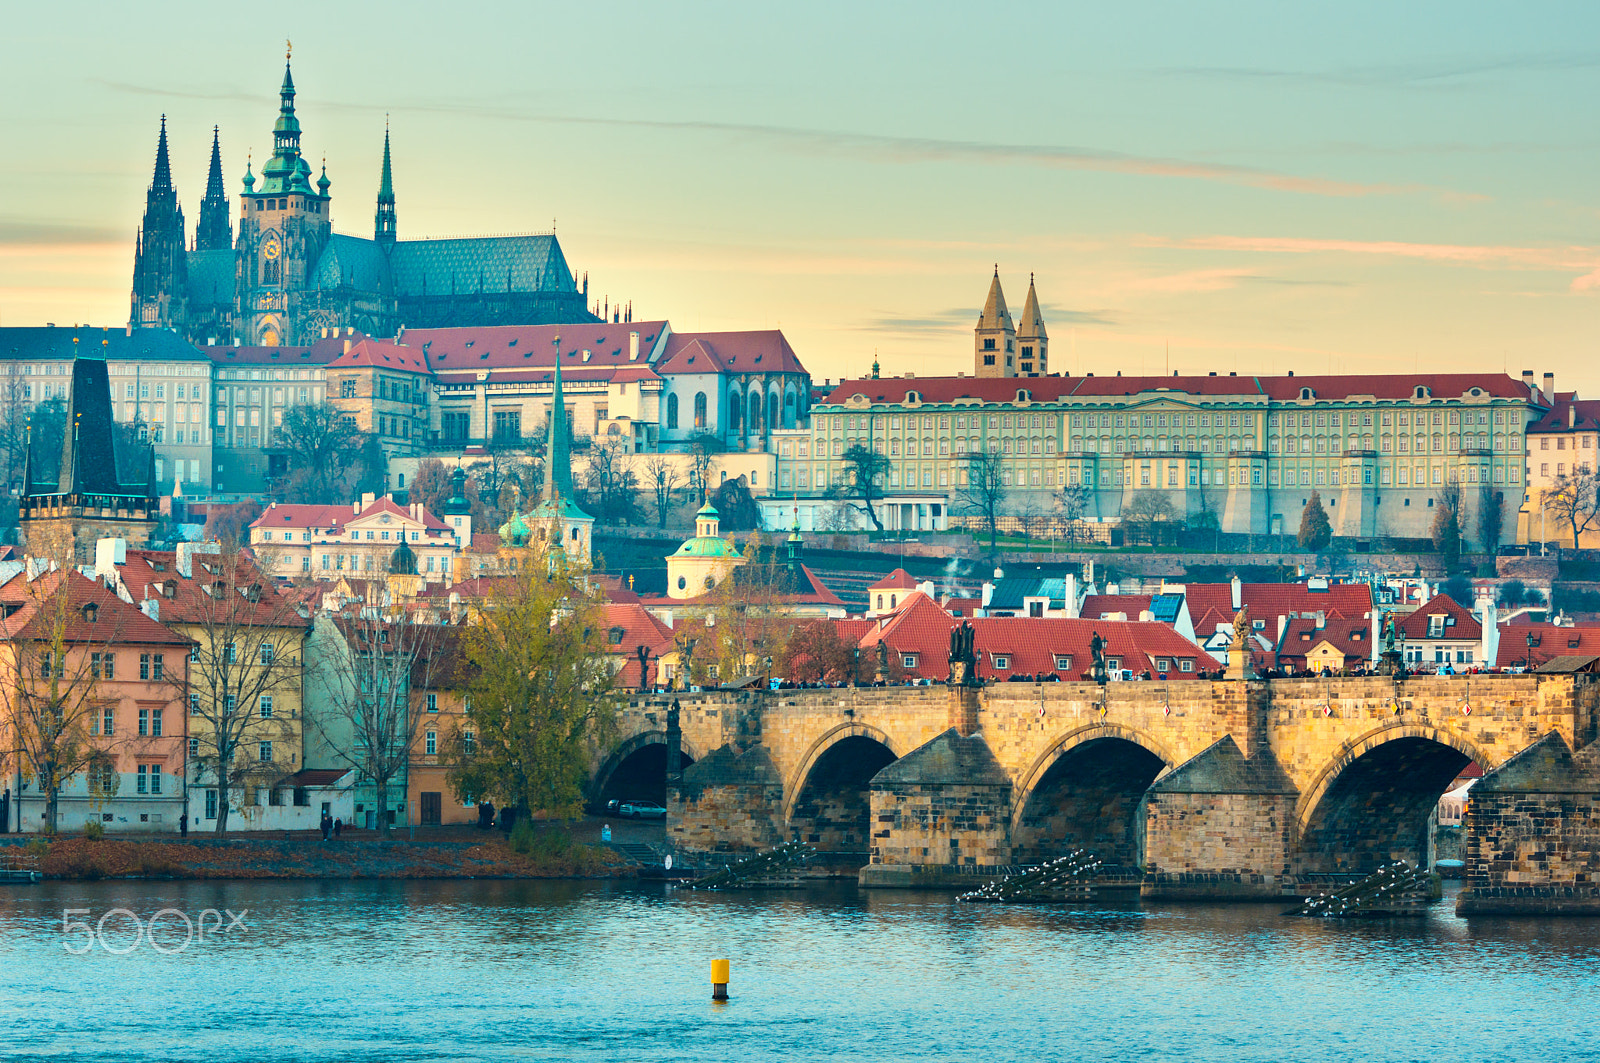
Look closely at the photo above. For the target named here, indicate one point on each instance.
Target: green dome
(707, 510)
(706, 546)
(403, 562)
(514, 532)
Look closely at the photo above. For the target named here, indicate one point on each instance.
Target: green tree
(1315, 531)
(865, 472)
(541, 702)
(735, 506)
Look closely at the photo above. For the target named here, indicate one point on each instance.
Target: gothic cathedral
(287, 275)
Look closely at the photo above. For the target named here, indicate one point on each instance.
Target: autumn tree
(735, 506)
(610, 487)
(1074, 503)
(982, 492)
(865, 473)
(230, 525)
(1315, 530)
(661, 478)
(816, 652)
(541, 701)
(1574, 500)
(750, 614)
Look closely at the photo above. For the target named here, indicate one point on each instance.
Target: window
(431, 743)
(265, 706)
(347, 388)
(144, 779)
(103, 665)
(672, 411)
(264, 754)
(1002, 661)
(144, 723)
(909, 660)
(1163, 664)
(155, 723)
(1063, 662)
(108, 725)
(267, 651)
(469, 741)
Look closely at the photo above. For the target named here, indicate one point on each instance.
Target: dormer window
(91, 612)
(1306, 394)
(1419, 392)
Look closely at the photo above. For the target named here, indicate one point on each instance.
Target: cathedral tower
(995, 338)
(214, 231)
(384, 229)
(160, 273)
(283, 227)
(1033, 343)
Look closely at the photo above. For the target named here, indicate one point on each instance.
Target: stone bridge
(1247, 789)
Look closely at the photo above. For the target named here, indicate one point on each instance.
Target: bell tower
(1033, 343)
(995, 338)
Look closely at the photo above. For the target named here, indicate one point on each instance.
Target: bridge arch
(1371, 803)
(828, 800)
(638, 765)
(1087, 791)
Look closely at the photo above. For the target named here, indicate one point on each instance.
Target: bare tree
(610, 486)
(703, 446)
(244, 677)
(661, 476)
(325, 450)
(58, 726)
(865, 471)
(1574, 500)
(1074, 503)
(983, 492)
(365, 666)
(1145, 512)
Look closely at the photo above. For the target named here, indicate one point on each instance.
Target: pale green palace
(1379, 449)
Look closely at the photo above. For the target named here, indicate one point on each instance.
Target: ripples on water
(499, 970)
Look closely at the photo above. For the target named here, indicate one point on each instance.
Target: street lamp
(1533, 640)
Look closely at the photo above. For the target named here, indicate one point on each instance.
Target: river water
(583, 971)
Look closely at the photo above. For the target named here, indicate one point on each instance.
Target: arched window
(672, 411)
(699, 409)
(772, 410)
(735, 407)
(755, 411)
(788, 409)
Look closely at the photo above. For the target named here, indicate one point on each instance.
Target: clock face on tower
(270, 249)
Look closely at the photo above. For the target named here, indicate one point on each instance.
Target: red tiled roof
(1211, 604)
(1054, 388)
(1550, 641)
(382, 354)
(1584, 416)
(1302, 636)
(146, 573)
(476, 587)
(484, 542)
(616, 589)
(115, 620)
(319, 353)
(1096, 606)
(1465, 629)
(1031, 645)
(760, 351)
(639, 628)
(964, 606)
(294, 515)
(532, 346)
(899, 579)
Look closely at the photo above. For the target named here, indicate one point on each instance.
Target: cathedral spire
(1032, 321)
(286, 171)
(995, 336)
(384, 228)
(162, 182)
(214, 232)
(558, 463)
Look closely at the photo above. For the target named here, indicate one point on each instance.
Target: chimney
(1375, 634)
(1237, 597)
(988, 593)
(346, 346)
(1572, 415)
(1549, 387)
(1527, 380)
(633, 346)
(1322, 619)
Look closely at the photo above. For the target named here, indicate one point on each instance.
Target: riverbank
(309, 857)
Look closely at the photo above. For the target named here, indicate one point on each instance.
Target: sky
(1242, 187)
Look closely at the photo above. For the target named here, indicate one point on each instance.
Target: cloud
(895, 150)
(964, 318)
(1494, 256)
(19, 234)
(1408, 74)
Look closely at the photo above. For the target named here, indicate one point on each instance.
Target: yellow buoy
(719, 979)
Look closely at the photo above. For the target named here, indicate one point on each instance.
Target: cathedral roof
(759, 351)
(351, 262)
(211, 277)
(532, 263)
(322, 352)
(381, 354)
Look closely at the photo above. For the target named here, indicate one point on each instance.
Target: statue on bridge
(1239, 648)
(963, 656)
(1389, 661)
(1097, 650)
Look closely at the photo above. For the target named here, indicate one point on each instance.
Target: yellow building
(703, 561)
(246, 678)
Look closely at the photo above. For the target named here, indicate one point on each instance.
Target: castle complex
(287, 277)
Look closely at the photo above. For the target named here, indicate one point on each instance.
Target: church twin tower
(287, 276)
(999, 347)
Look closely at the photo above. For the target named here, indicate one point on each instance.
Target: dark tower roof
(558, 461)
(162, 182)
(214, 231)
(403, 562)
(385, 228)
(286, 171)
(457, 504)
(89, 447)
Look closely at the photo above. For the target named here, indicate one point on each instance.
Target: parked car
(641, 810)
